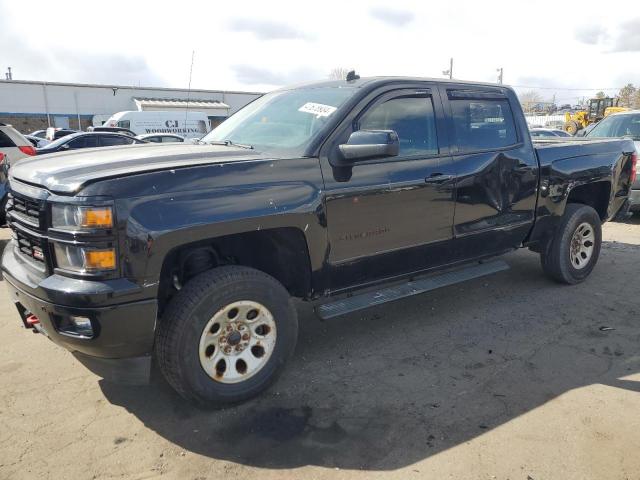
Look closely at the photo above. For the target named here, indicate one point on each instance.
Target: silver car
(623, 124)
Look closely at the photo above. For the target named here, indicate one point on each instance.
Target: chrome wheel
(237, 342)
(581, 247)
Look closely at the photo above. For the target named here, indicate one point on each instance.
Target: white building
(29, 105)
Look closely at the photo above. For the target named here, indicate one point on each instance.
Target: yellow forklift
(598, 109)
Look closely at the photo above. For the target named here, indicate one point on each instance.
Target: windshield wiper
(229, 143)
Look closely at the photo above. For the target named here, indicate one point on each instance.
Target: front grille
(25, 210)
(29, 245)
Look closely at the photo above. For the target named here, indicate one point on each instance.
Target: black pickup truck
(345, 193)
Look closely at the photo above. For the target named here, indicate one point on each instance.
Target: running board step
(414, 287)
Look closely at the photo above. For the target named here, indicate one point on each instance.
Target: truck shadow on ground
(395, 384)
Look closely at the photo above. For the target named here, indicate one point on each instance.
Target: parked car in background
(4, 176)
(188, 125)
(79, 140)
(622, 125)
(56, 133)
(548, 132)
(14, 145)
(39, 133)
(124, 131)
(37, 142)
(160, 138)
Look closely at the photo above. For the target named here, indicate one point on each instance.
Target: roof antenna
(352, 75)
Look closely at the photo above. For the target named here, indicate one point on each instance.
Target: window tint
(5, 141)
(412, 118)
(482, 124)
(86, 141)
(617, 126)
(109, 141)
(539, 133)
(170, 139)
(154, 139)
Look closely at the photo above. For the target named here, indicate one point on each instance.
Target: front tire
(573, 253)
(226, 335)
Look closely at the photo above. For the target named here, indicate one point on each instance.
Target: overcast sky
(258, 46)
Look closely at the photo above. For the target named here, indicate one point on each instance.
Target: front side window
(124, 124)
(171, 139)
(412, 118)
(482, 124)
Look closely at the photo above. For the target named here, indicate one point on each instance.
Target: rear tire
(573, 253)
(226, 335)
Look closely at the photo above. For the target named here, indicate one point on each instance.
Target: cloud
(267, 29)
(591, 34)
(65, 65)
(628, 37)
(251, 75)
(390, 16)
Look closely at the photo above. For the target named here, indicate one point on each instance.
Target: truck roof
(381, 80)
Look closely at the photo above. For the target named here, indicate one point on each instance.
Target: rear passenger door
(496, 170)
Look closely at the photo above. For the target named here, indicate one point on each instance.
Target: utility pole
(450, 71)
(500, 72)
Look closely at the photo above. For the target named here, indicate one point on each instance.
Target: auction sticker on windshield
(317, 109)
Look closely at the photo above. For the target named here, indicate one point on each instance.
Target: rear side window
(111, 141)
(482, 124)
(5, 141)
(88, 141)
(412, 118)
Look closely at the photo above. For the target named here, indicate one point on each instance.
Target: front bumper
(635, 200)
(123, 333)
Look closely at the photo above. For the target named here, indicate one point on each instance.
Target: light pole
(500, 71)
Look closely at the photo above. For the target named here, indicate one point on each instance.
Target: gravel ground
(506, 377)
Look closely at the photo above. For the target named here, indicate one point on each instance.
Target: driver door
(391, 216)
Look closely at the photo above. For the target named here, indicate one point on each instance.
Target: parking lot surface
(508, 376)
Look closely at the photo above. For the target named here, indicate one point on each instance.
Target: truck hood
(68, 172)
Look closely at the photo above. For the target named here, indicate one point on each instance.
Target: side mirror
(368, 144)
(65, 147)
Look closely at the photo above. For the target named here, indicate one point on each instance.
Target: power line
(565, 88)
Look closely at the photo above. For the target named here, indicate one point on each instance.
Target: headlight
(74, 217)
(84, 259)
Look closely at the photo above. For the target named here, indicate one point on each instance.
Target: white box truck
(187, 125)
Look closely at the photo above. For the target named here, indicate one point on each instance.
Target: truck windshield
(284, 121)
(625, 125)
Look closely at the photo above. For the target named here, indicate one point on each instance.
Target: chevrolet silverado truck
(345, 193)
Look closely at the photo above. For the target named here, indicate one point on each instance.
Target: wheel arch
(281, 252)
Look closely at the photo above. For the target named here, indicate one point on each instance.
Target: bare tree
(529, 100)
(626, 95)
(636, 99)
(338, 73)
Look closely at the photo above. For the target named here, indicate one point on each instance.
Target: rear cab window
(481, 123)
